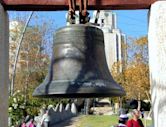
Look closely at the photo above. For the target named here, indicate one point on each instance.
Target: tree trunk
(139, 101)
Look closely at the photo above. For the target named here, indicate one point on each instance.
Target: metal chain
(71, 12)
(82, 11)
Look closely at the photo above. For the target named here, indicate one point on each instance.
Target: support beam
(50, 5)
(157, 61)
(4, 65)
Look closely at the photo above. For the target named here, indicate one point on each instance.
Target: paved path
(73, 122)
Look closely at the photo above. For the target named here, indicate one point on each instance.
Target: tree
(17, 54)
(33, 47)
(32, 66)
(135, 76)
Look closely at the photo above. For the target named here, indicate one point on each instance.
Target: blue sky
(133, 23)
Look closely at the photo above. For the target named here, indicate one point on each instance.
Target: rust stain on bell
(78, 66)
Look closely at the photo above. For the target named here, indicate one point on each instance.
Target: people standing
(45, 119)
(23, 124)
(32, 123)
(38, 119)
(122, 120)
(135, 121)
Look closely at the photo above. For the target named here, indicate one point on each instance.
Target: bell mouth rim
(90, 95)
(65, 90)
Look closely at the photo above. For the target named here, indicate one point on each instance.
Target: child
(32, 123)
(23, 124)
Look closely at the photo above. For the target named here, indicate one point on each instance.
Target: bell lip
(81, 95)
(84, 92)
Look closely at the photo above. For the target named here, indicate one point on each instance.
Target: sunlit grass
(98, 121)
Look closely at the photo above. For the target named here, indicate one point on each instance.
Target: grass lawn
(100, 121)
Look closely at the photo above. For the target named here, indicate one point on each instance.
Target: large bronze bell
(78, 68)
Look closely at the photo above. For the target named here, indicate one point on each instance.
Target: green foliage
(21, 104)
(17, 107)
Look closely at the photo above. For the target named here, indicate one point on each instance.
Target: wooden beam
(53, 5)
